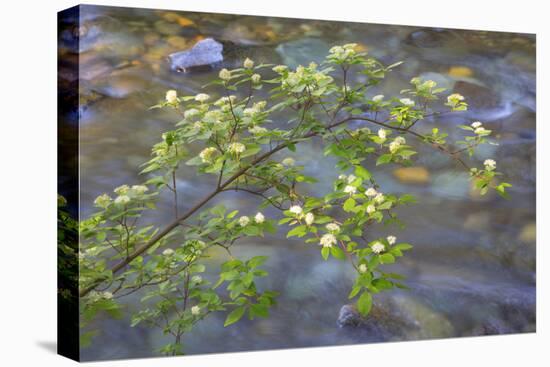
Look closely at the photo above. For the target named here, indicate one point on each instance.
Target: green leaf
(299, 231)
(385, 206)
(355, 291)
(407, 199)
(234, 315)
(349, 204)
(403, 246)
(387, 259)
(362, 172)
(383, 159)
(338, 253)
(325, 251)
(258, 310)
(406, 153)
(364, 304)
(256, 261)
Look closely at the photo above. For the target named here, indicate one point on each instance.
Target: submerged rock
(441, 312)
(477, 96)
(303, 51)
(460, 71)
(349, 316)
(528, 233)
(428, 38)
(398, 318)
(412, 175)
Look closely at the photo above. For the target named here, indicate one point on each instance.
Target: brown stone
(412, 175)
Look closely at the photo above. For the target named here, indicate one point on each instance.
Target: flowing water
(472, 271)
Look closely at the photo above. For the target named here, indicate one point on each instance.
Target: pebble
(177, 42)
(460, 72)
(528, 233)
(412, 175)
(167, 28)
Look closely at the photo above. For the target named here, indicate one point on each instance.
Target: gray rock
(203, 53)
(349, 316)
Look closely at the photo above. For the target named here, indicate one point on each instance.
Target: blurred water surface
(472, 271)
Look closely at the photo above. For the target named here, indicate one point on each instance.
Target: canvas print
(238, 183)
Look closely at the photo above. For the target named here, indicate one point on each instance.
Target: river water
(472, 271)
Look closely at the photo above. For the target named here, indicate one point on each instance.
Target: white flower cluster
(349, 189)
(382, 134)
(237, 148)
(490, 164)
(102, 201)
(171, 96)
(378, 247)
(140, 189)
(255, 78)
(396, 144)
(122, 200)
(259, 218)
(428, 84)
(279, 69)
(288, 161)
(225, 100)
(122, 190)
(391, 240)
(333, 227)
(248, 64)
(168, 252)
(202, 97)
(224, 74)
(378, 98)
(244, 220)
(310, 75)
(363, 268)
(207, 154)
(455, 98)
(213, 116)
(97, 296)
(371, 209)
(476, 124)
(257, 130)
(309, 218)
(251, 111)
(195, 310)
(341, 53)
(260, 105)
(407, 102)
(479, 129)
(296, 210)
(371, 192)
(328, 240)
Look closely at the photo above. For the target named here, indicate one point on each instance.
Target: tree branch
(146, 246)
